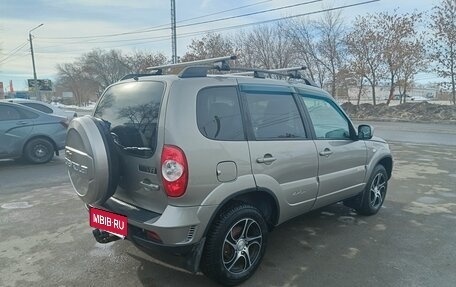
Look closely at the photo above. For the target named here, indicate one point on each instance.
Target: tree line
(376, 48)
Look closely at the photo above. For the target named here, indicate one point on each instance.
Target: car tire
(238, 234)
(39, 150)
(373, 196)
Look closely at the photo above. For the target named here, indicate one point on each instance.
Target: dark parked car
(29, 133)
(45, 108)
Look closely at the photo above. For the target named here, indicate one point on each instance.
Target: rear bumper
(185, 256)
(177, 234)
(176, 226)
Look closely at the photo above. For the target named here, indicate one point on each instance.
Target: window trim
(249, 126)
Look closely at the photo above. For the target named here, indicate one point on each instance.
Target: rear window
(132, 110)
(8, 113)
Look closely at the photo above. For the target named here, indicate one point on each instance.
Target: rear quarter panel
(203, 154)
(50, 127)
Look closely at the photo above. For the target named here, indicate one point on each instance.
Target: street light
(35, 81)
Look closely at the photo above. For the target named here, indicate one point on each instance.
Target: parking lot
(46, 240)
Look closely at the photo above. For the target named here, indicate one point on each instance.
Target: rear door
(283, 156)
(133, 110)
(342, 160)
(15, 127)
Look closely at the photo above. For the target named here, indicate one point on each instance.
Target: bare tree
(139, 61)
(366, 51)
(358, 70)
(320, 44)
(413, 61)
(104, 67)
(265, 47)
(331, 46)
(398, 33)
(443, 42)
(209, 46)
(92, 73)
(71, 78)
(304, 39)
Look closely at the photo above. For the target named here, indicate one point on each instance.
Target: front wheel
(374, 193)
(39, 150)
(235, 245)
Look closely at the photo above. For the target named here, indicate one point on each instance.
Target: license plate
(114, 223)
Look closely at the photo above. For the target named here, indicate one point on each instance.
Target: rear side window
(132, 110)
(8, 113)
(274, 116)
(218, 114)
(38, 107)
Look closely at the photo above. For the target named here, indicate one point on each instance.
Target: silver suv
(200, 168)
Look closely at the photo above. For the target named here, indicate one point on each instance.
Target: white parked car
(44, 107)
(418, 99)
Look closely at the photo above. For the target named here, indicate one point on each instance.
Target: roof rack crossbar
(259, 73)
(135, 76)
(201, 70)
(292, 73)
(193, 63)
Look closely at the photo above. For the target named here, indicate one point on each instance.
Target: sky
(74, 27)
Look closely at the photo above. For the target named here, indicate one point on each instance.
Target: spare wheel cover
(91, 159)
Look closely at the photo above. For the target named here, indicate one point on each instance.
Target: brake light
(64, 123)
(174, 169)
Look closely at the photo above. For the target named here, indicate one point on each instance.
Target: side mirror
(365, 132)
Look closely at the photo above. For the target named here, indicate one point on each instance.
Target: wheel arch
(54, 145)
(261, 198)
(387, 163)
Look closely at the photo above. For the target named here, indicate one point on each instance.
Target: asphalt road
(46, 240)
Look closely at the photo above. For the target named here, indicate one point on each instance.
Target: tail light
(65, 123)
(174, 169)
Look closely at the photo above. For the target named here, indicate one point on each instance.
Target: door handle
(326, 152)
(266, 159)
(149, 185)
(21, 123)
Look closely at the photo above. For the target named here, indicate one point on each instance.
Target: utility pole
(173, 31)
(35, 81)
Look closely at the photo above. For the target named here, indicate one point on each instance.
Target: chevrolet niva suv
(200, 168)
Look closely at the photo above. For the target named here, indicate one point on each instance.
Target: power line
(197, 23)
(155, 28)
(191, 24)
(14, 57)
(14, 51)
(224, 11)
(200, 23)
(250, 14)
(281, 18)
(195, 33)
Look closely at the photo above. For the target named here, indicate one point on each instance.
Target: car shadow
(152, 272)
(11, 163)
(293, 248)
